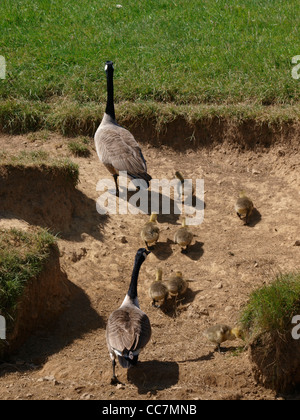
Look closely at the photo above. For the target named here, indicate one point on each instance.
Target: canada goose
(158, 291)
(150, 231)
(185, 188)
(116, 147)
(183, 236)
(217, 334)
(244, 207)
(128, 328)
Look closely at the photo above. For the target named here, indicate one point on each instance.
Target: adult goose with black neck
(116, 147)
(128, 328)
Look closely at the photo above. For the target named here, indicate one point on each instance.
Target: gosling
(183, 237)
(218, 334)
(244, 207)
(150, 231)
(176, 285)
(158, 291)
(185, 189)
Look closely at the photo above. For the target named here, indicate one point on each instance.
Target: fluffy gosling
(244, 207)
(218, 334)
(158, 291)
(176, 285)
(183, 237)
(185, 188)
(150, 231)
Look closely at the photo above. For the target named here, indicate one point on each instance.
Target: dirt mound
(276, 361)
(43, 299)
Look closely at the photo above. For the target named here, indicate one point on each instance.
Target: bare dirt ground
(226, 262)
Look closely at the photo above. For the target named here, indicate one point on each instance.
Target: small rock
(255, 171)
(120, 386)
(297, 243)
(228, 308)
(204, 311)
(218, 286)
(124, 240)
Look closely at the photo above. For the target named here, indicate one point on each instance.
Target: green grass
(213, 52)
(272, 307)
(41, 159)
(79, 147)
(22, 258)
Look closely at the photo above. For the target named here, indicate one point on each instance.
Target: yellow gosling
(150, 231)
(158, 291)
(183, 237)
(244, 207)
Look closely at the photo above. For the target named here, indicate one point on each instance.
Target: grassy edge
(42, 160)
(22, 258)
(272, 307)
(72, 118)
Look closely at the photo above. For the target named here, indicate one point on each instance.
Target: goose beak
(146, 253)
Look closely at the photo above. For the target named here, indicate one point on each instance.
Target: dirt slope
(226, 262)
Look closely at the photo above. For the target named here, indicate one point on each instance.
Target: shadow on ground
(153, 375)
(78, 319)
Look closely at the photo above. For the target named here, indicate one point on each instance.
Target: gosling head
(238, 333)
(179, 176)
(153, 217)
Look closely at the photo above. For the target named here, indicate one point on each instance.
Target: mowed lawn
(178, 51)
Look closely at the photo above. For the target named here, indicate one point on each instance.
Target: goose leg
(116, 182)
(114, 379)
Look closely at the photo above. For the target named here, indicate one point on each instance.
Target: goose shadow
(78, 319)
(154, 375)
(148, 201)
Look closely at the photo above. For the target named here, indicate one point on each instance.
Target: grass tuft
(79, 148)
(272, 307)
(22, 257)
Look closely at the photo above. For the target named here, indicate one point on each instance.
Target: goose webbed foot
(115, 381)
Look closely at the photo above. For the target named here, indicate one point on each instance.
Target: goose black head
(109, 65)
(141, 255)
